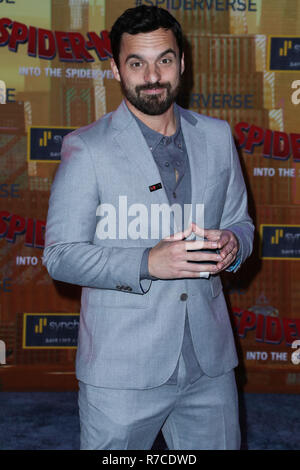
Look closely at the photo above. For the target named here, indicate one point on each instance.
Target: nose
(152, 73)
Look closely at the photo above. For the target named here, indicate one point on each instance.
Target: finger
(225, 241)
(230, 247)
(213, 234)
(180, 235)
(198, 230)
(200, 256)
(196, 268)
(196, 274)
(200, 245)
(226, 262)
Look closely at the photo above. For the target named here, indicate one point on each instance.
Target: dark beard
(152, 104)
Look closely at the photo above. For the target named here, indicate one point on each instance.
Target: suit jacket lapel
(196, 145)
(133, 145)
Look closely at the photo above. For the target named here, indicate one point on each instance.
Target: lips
(153, 91)
(152, 88)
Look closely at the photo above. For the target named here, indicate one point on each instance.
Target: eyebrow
(136, 56)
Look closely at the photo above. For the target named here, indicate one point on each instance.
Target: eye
(136, 64)
(166, 60)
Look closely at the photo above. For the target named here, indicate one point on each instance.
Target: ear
(115, 70)
(182, 64)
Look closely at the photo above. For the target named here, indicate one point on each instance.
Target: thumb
(212, 235)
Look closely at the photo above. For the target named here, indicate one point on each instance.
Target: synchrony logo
(50, 330)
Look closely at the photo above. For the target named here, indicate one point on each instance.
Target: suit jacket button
(183, 296)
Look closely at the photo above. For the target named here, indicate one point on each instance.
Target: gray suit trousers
(202, 415)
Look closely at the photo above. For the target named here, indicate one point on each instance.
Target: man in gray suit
(155, 347)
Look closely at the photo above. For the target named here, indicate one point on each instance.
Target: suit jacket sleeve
(70, 253)
(235, 215)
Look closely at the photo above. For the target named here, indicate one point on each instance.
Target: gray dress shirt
(170, 155)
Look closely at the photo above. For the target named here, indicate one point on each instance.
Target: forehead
(152, 43)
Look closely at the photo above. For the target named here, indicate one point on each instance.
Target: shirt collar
(153, 138)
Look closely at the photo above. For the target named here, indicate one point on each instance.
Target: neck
(164, 123)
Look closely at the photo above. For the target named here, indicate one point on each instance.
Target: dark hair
(143, 19)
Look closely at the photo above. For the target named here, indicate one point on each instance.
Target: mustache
(152, 86)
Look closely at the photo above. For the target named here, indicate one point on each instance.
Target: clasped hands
(171, 257)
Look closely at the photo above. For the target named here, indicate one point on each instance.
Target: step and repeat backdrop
(243, 65)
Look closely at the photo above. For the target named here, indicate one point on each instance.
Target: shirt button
(178, 163)
(183, 296)
(179, 146)
(167, 163)
(174, 195)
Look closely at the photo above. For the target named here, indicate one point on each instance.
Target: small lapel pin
(155, 187)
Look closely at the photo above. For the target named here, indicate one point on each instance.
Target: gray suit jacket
(131, 331)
